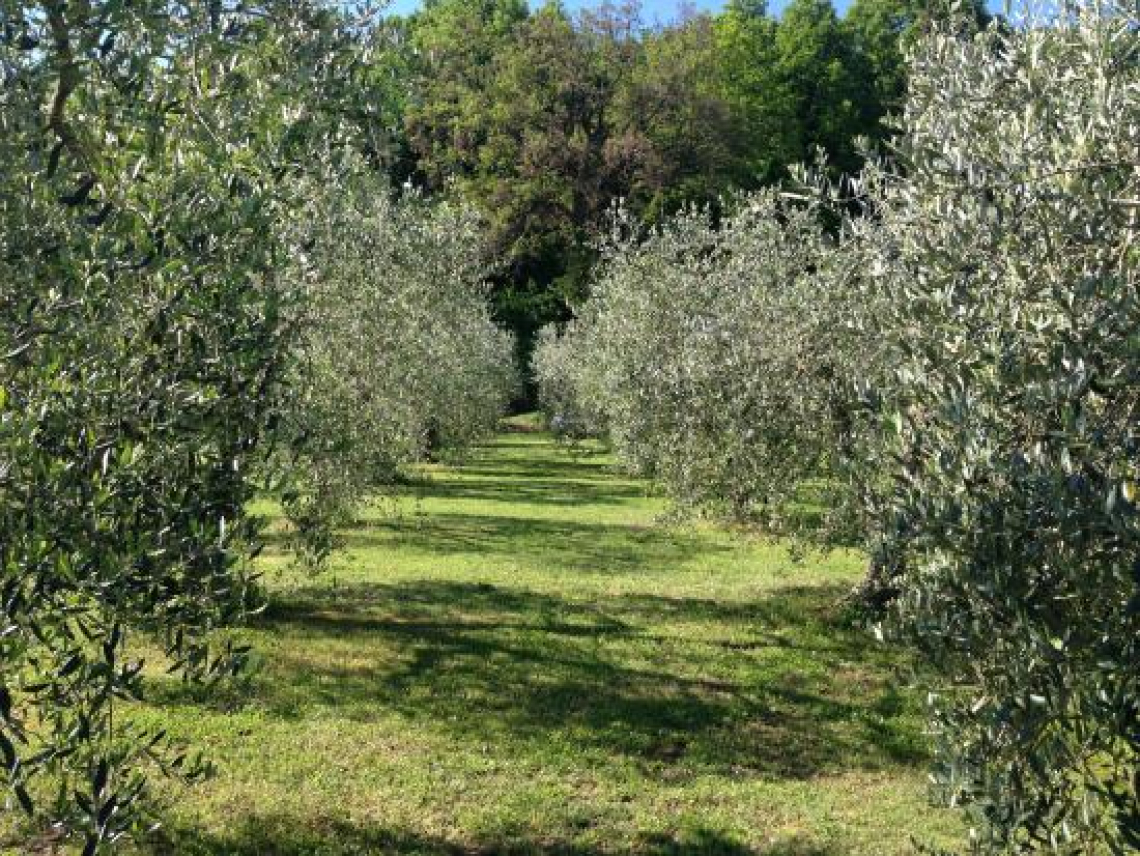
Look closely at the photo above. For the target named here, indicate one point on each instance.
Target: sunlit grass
(515, 657)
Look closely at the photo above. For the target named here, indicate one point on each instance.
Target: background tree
(749, 81)
(455, 46)
(815, 72)
(880, 32)
(542, 176)
(669, 116)
(543, 121)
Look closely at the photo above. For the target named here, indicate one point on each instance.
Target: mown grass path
(514, 657)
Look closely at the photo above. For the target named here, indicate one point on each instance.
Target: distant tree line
(543, 120)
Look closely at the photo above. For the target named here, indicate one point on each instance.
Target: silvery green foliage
(986, 310)
(564, 396)
(398, 356)
(147, 152)
(718, 352)
(1005, 265)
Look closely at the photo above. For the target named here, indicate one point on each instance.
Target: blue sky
(663, 9)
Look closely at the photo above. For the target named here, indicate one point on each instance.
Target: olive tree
(147, 157)
(397, 355)
(962, 362)
(564, 395)
(1004, 262)
(719, 353)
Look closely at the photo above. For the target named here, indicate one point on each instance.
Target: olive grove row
(203, 294)
(395, 353)
(947, 361)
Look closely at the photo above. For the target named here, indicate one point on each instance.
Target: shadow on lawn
(779, 691)
(560, 546)
(283, 836)
(541, 475)
(678, 687)
(535, 490)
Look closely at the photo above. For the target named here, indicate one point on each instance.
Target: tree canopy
(544, 120)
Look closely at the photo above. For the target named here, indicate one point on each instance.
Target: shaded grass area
(514, 657)
(619, 675)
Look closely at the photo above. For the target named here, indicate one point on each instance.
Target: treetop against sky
(663, 9)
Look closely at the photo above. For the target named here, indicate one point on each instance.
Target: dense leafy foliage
(1007, 254)
(715, 356)
(140, 331)
(152, 157)
(397, 356)
(564, 391)
(962, 364)
(205, 281)
(544, 120)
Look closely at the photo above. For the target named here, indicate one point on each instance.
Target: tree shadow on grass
(535, 491)
(538, 457)
(771, 689)
(546, 468)
(548, 478)
(284, 836)
(557, 545)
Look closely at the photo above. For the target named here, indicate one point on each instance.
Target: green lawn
(514, 657)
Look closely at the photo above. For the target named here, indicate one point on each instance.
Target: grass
(514, 657)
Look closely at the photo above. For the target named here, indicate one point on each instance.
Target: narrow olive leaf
(24, 799)
(7, 751)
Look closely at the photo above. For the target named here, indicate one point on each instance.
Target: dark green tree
(815, 73)
(672, 125)
(456, 45)
(511, 114)
(542, 121)
(749, 80)
(880, 32)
